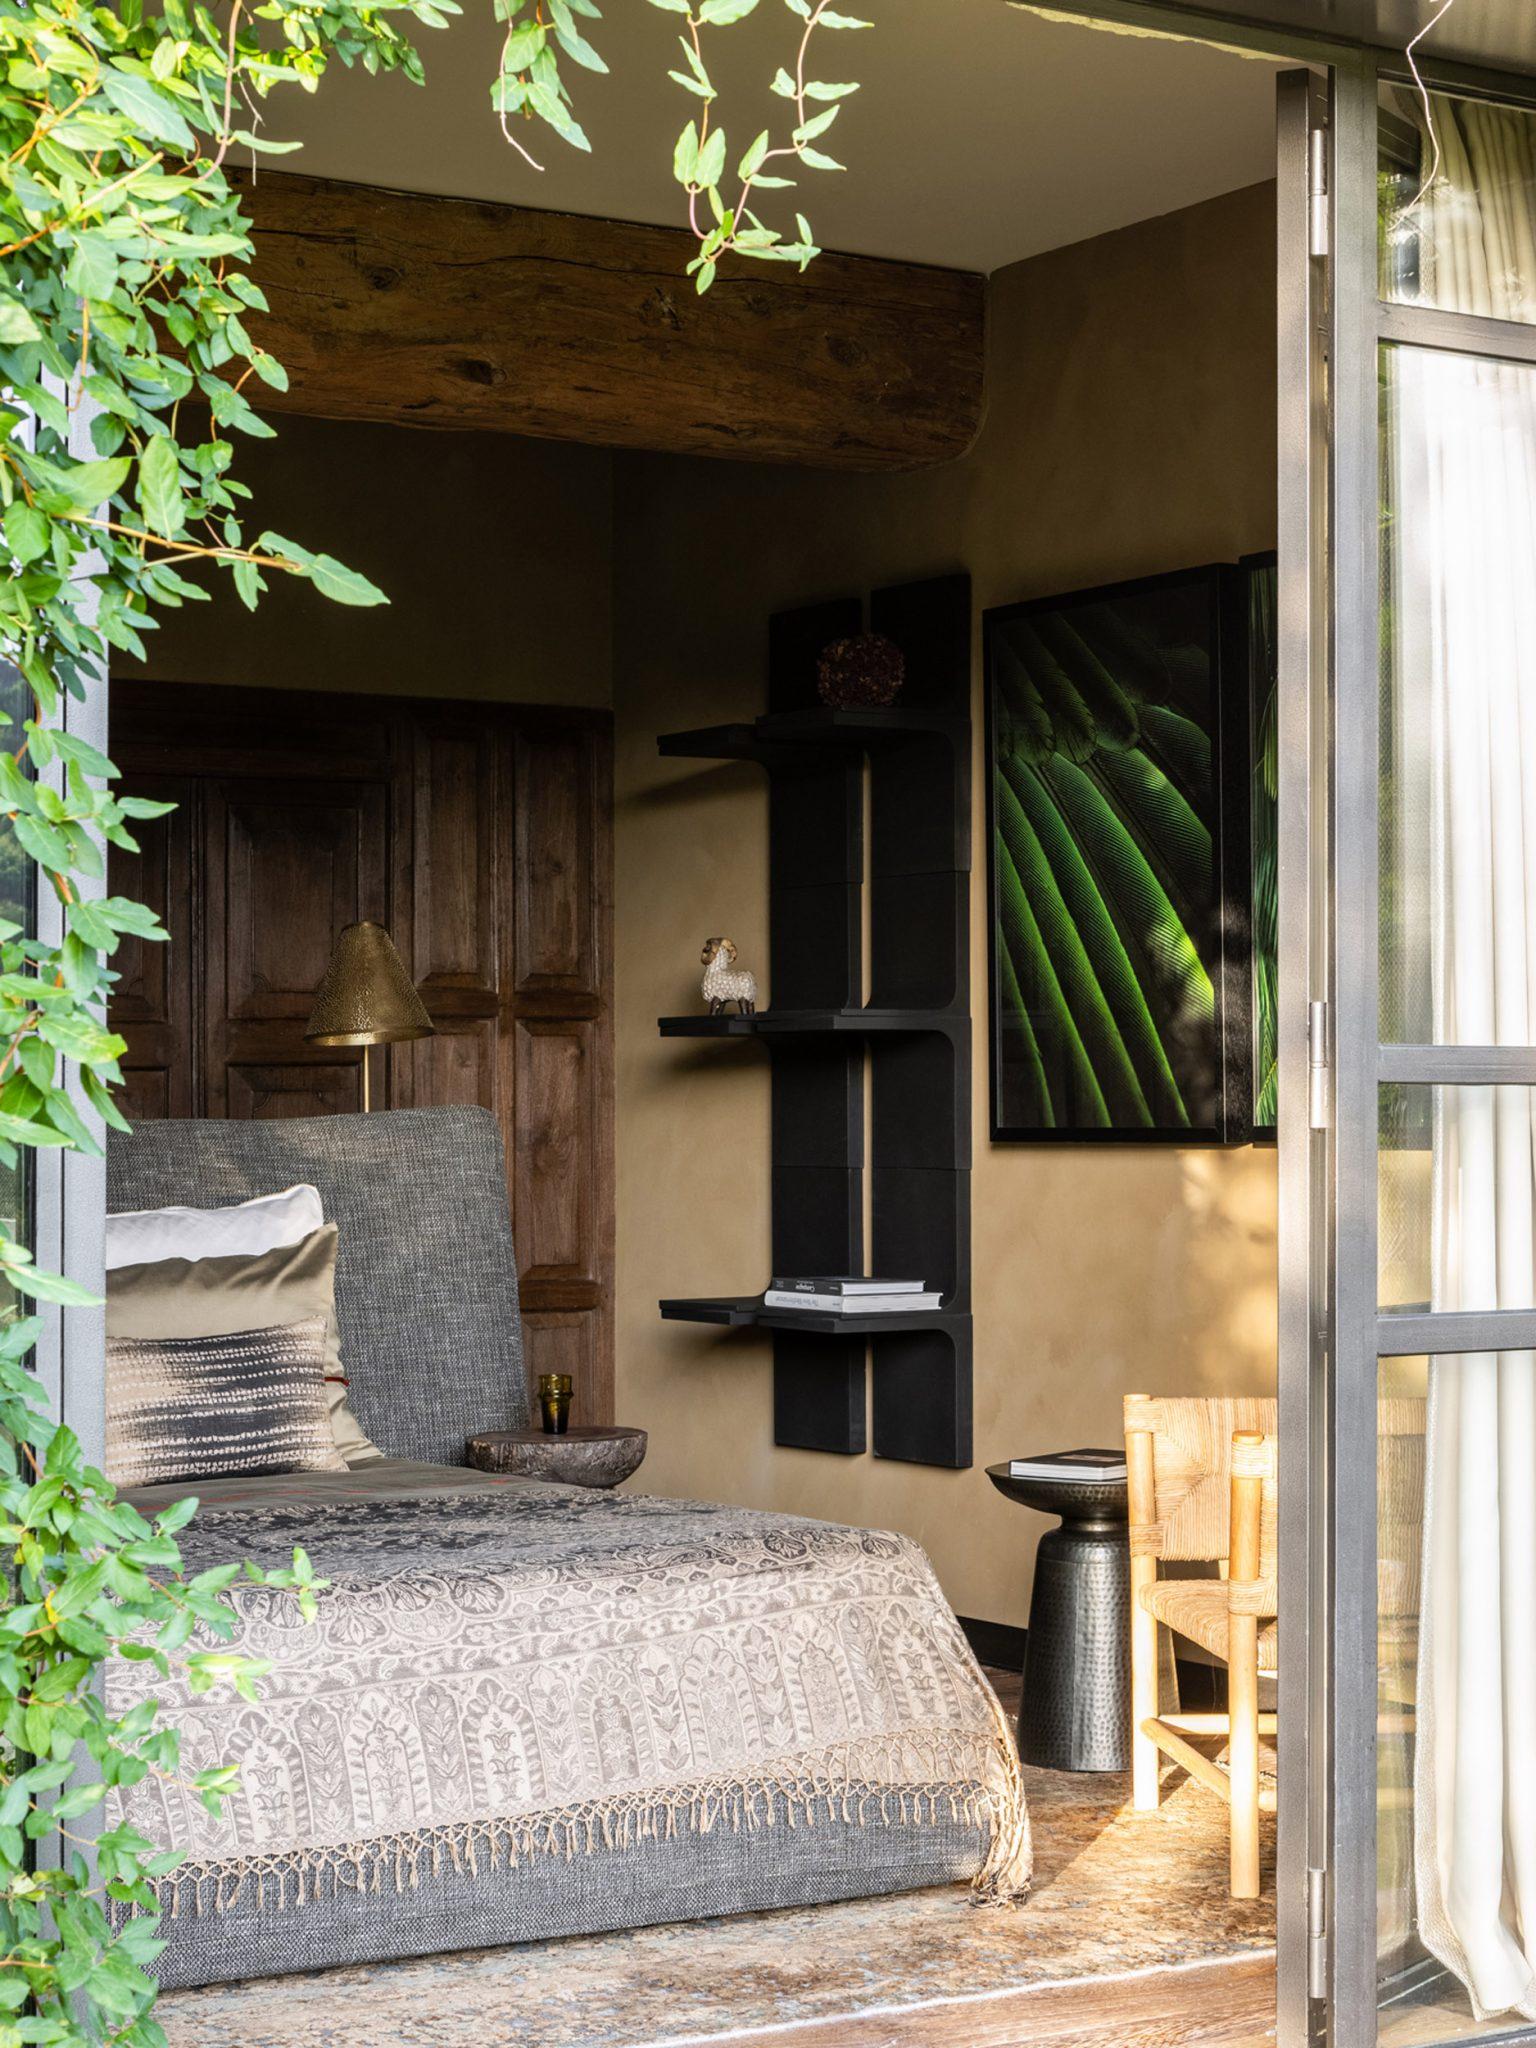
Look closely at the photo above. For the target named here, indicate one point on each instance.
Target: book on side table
(1073, 1466)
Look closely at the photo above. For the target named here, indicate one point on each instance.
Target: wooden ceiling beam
(453, 313)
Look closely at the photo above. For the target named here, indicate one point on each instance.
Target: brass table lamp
(366, 998)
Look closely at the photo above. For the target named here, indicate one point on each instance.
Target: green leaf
(89, 484)
(27, 531)
(817, 125)
(335, 580)
(91, 272)
(522, 46)
(712, 159)
(52, 1286)
(160, 494)
(16, 324)
(148, 106)
(718, 12)
(572, 41)
(551, 108)
(814, 160)
(685, 158)
(754, 156)
(828, 19)
(816, 90)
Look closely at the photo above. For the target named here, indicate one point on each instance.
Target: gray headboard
(426, 1281)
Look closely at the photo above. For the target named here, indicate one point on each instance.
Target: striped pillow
(251, 1402)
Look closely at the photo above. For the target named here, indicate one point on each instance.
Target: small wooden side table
(581, 1457)
(1076, 1710)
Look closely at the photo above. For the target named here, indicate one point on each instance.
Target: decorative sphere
(861, 672)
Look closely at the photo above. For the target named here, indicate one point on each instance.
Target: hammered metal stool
(1202, 1478)
(1073, 1714)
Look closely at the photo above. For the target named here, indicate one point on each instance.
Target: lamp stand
(367, 1092)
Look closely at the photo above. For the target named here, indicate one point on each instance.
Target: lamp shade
(366, 998)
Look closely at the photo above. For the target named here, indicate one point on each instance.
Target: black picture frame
(1258, 598)
(1167, 1072)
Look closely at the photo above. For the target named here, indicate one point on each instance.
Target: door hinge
(1317, 1934)
(1318, 1071)
(1317, 192)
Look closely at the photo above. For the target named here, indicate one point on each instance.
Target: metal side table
(1076, 1710)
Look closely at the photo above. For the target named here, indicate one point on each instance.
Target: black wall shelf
(910, 1028)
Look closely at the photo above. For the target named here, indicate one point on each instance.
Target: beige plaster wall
(1130, 430)
(493, 551)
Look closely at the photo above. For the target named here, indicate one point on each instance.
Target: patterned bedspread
(509, 1671)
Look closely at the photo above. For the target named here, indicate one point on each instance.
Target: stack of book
(849, 1294)
(1070, 1465)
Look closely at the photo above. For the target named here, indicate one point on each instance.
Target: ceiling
(982, 134)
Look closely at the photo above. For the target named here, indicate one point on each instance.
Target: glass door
(1421, 1140)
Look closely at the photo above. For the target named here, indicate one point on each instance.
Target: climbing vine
(720, 209)
(128, 372)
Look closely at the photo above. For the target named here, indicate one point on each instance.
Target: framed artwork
(1118, 780)
(1262, 651)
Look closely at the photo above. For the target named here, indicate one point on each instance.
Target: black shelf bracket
(910, 1029)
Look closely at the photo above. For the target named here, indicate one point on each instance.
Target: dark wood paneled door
(479, 834)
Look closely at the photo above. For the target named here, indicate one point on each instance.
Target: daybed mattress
(528, 1710)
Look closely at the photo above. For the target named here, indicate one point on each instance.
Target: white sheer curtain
(1462, 443)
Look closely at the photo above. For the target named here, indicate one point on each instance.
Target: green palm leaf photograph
(1118, 779)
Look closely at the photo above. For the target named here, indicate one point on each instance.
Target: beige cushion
(218, 1297)
(1197, 1608)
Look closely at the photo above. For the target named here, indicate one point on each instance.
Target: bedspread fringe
(795, 1793)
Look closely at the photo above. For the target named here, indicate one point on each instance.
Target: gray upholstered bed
(526, 1709)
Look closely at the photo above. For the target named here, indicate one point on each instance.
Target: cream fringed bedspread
(531, 1670)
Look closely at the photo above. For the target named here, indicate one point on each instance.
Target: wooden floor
(1128, 1940)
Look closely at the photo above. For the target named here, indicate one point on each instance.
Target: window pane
(1414, 1991)
(1456, 1180)
(1456, 1465)
(1457, 191)
(1458, 704)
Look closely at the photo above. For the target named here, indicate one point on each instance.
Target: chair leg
(1145, 1760)
(1243, 1751)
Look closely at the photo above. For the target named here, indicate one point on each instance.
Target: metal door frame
(1333, 1332)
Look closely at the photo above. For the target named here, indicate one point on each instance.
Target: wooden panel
(294, 1090)
(457, 1065)
(294, 878)
(454, 859)
(556, 907)
(479, 834)
(554, 1152)
(450, 313)
(566, 1342)
(286, 865)
(146, 1094)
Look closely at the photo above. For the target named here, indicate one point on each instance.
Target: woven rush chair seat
(1198, 1609)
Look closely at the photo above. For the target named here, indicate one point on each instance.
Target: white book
(840, 1283)
(1072, 1466)
(851, 1305)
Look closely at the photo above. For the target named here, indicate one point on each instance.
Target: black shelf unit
(911, 1027)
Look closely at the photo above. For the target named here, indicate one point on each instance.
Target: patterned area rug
(1116, 1892)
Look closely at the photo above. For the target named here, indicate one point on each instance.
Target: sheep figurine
(724, 983)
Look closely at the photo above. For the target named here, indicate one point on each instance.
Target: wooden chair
(1201, 1479)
